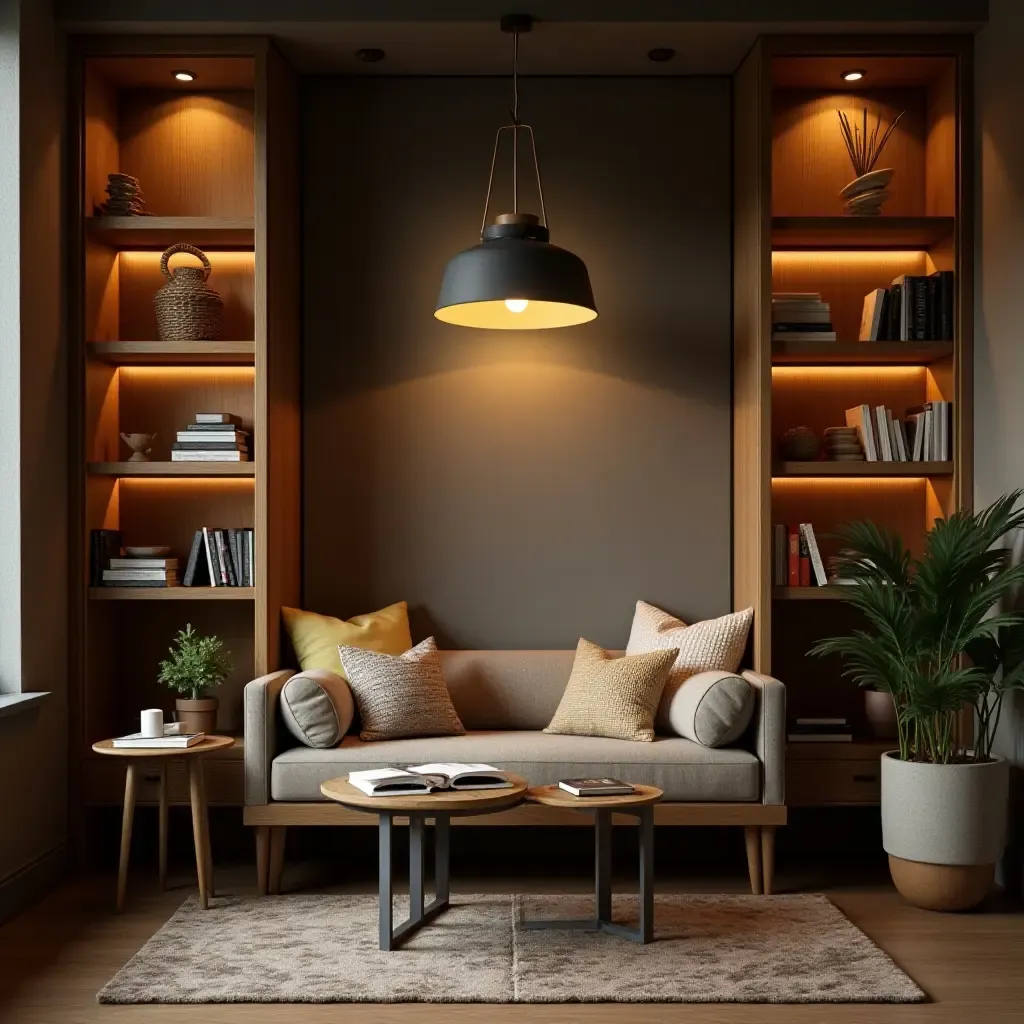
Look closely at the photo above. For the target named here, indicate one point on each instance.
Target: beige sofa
(505, 698)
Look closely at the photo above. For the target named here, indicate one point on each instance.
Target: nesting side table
(136, 756)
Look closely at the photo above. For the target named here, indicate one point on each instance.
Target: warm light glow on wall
(144, 259)
(905, 376)
(875, 258)
(835, 486)
(178, 376)
(181, 484)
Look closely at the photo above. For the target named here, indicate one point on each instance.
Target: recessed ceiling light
(853, 75)
(184, 76)
(661, 54)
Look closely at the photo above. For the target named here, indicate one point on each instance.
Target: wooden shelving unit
(791, 234)
(173, 353)
(863, 469)
(217, 161)
(860, 353)
(172, 593)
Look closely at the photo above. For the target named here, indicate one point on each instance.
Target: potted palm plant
(197, 664)
(938, 643)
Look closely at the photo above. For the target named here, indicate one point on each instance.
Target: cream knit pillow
(704, 646)
(400, 696)
(613, 697)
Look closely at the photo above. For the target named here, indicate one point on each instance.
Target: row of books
(914, 308)
(926, 435)
(221, 558)
(801, 316)
(796, 560)
(214, 437)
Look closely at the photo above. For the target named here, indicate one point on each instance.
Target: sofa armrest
(260, 702)
(769, 734)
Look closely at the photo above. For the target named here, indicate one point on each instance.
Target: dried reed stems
(865, 148)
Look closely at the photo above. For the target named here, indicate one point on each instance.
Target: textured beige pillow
(400, 696)
(613, 697)
(704, 646)
(317, 707)
(711, 708)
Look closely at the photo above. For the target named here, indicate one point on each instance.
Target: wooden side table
(197, 795)
(639, 804)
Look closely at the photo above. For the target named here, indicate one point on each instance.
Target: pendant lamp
(515, 279)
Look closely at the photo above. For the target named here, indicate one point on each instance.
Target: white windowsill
(16, 703)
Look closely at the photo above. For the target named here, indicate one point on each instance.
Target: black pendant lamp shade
(515, 279)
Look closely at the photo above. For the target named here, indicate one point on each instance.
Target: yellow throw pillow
(613, 697)
(316, 638)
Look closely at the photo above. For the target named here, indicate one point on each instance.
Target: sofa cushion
(712, 708)
(714, 644)
(612, 697)
(685, 770)
(317, 707)
(506, 689)
(316, 638)
(400, 696)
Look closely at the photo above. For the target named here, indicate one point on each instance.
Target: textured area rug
(323, 949)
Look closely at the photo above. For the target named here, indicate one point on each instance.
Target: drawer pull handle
(865, 778)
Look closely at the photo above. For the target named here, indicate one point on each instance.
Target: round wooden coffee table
(640, 803)
(197, 795)
(441, 807)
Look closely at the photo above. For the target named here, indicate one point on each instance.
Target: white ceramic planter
(944, 828)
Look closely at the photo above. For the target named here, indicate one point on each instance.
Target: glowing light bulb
(516, 305)
(184, 76)
(852, 76)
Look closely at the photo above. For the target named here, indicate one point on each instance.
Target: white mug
(152, 723)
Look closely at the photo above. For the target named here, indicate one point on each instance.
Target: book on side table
(596, 787)
(172, 739)
(427, 778)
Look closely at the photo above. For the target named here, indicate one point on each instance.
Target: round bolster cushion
(712, 708)
(317, 707)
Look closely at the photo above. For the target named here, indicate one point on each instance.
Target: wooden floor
(56, 956)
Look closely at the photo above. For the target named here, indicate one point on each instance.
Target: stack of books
(221, 558)
(914, 308)
(214, 437)
(141, 572)
(926, 435)
(103, 546)
(801, 316)
(796, 559)
(820, 730)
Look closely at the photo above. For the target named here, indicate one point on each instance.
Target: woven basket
(186, 310)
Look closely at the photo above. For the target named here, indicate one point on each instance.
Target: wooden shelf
(860, 232)
(160, 232)
(862, 469)
(859, 353)
(807, 593)
(173, 353)
(172, 593)
(860, 749)
(172, 469)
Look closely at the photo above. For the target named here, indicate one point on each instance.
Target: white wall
(999, 324)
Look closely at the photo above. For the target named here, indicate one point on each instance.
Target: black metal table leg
(602, 919)
(420, 913)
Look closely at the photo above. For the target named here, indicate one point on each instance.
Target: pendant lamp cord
(515, 122)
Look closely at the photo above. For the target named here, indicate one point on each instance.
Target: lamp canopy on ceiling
(515, 279)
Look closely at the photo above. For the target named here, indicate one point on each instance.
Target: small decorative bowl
(800, 444)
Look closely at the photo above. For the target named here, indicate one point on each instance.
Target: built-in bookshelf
(792, 235)
(216, 158)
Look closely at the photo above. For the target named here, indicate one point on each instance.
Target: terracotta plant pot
(881, 714)
(944, 828)
(197, 715)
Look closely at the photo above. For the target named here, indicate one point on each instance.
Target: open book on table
(427, 778)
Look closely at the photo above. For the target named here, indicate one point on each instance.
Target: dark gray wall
(517, 489)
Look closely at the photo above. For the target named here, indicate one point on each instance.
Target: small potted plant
(197, 664)
(938, 642)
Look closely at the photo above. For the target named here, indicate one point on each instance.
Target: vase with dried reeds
(865, 195)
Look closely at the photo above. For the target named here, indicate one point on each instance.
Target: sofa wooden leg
(768, 857)
(262, 859)
(277, 837)
(752, 834)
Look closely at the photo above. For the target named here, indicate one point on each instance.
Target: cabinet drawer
(812, 783)
(104, 782)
